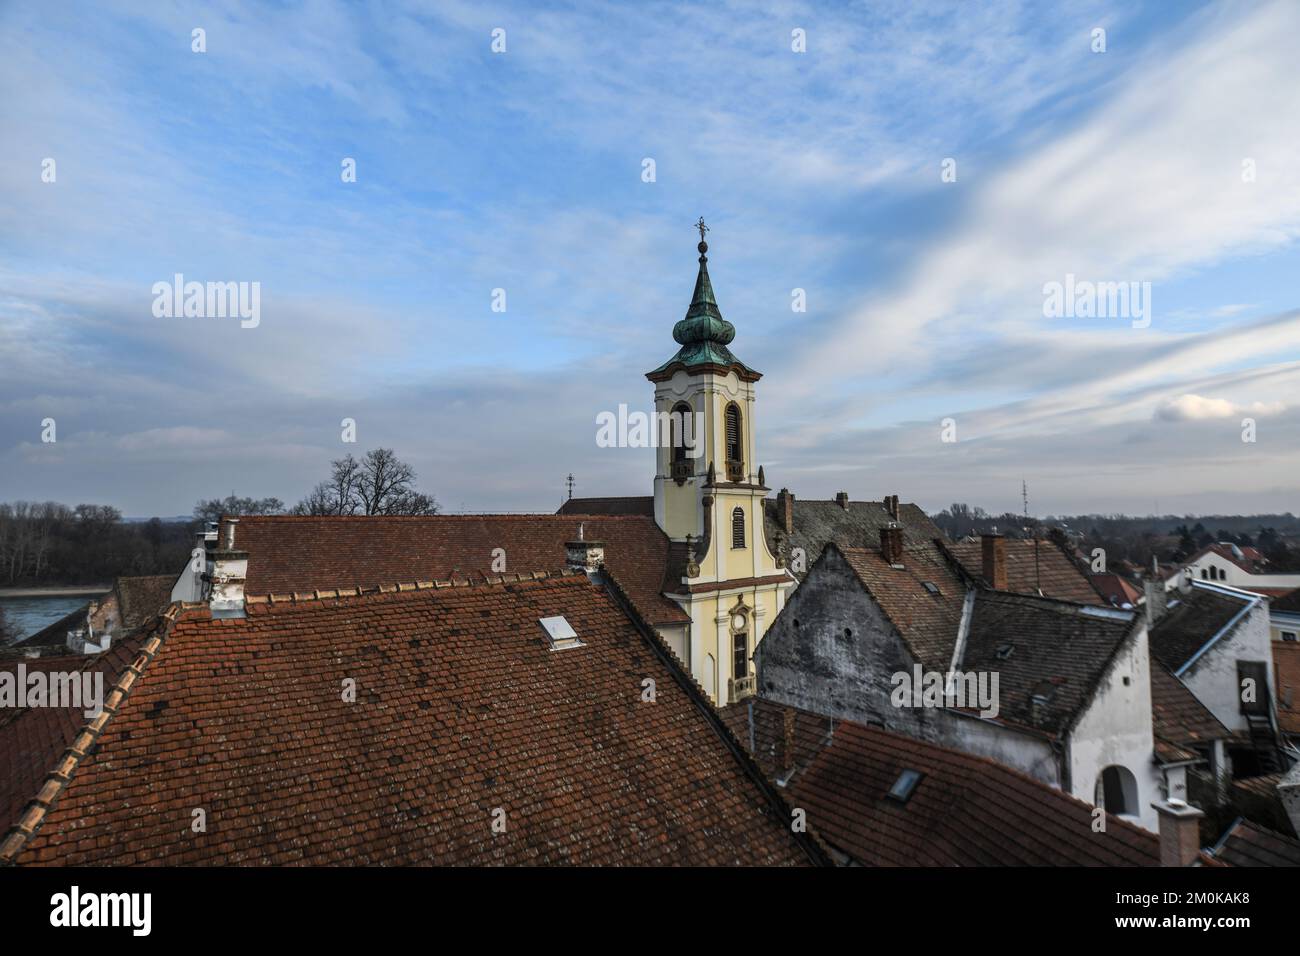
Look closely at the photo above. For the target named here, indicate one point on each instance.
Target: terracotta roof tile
(1179, 720)
(1032, 566)
(1249, 844)
(927, 620)
(965, 811)
(289, 554)
(461, 708)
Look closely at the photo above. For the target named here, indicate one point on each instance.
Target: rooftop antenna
(569, 483)
(1024, 496)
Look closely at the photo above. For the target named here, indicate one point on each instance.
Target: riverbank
(89, 590)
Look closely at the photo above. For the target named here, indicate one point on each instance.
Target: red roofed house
(529, 720)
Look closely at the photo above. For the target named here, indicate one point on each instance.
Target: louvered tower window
(679, 423)
(738, 528)
(735, 445)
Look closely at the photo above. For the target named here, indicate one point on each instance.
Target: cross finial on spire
(702, 227)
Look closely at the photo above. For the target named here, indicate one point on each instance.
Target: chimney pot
(1180, 832)
(993, 548)
(842, 499)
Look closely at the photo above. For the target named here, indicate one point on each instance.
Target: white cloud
(1197, 408)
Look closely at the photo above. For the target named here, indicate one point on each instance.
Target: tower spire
(703, 333)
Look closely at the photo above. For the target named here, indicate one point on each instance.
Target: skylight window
(560, 633)
(1005, 650)
(931, 587)
(904, 785)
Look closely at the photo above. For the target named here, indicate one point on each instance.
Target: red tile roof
(1115, 589)
(1250, 561)
(1031, 567)
(1249, 844)
(289, 554)
(1180, 721)
(965, 811)
(460, 708)
(926, 620)
(32, 739)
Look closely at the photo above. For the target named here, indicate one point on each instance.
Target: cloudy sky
(1171, 158)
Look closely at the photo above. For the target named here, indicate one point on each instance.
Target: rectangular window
(1288, 635)
(740, 655)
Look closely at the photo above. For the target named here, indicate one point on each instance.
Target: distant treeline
(1139, 539)
(47, 543)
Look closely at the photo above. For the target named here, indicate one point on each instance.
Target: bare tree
(212, 509)
(378, 484)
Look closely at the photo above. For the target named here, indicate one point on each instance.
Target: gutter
(1250, 606)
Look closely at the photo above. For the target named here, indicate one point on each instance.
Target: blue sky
(522, 171)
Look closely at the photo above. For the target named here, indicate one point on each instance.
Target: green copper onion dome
(703, 334)
(704, 321)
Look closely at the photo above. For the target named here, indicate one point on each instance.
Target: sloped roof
(1040, 646)
(817, 523)
(965, 811)
(54, 635)
(927, 621)
(1032, 566)
(1249, 561)
(140, 598)
(32, 739)
(636, 505)
(1249, 844)
(1115, 589)
(1288, 602)
(1179, 720)
(461, 709)
(292, 554)
(1191, 619)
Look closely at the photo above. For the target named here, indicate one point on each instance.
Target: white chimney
(226, 573)
(584, 555)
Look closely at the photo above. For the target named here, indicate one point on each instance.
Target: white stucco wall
(1116, 729)
(1213, 676)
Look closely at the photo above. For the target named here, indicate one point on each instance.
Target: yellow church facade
(708, 499)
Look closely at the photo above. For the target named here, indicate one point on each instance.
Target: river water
(30, 614)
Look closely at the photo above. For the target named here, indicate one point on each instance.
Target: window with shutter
(738, 528)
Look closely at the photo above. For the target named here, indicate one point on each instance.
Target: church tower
(709, 494)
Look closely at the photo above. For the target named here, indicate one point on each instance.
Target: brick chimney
(891, 505)
(842, 499)
(584, 555)
(891, 544)
(785, 510)
(227, 569)
(993, 548)
(1180, 832)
